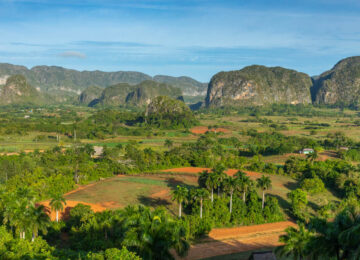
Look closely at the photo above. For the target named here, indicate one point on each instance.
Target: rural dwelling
(98, 151)
(306, 151)
(266, 255)
(344, 148)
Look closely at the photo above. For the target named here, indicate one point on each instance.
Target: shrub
(313, 185)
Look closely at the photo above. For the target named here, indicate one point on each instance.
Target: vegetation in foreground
(317, 188)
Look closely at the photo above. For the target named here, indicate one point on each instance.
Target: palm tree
(169, 143)
(153, 233)
(295, 242)
(264, 183)
(244, 183)
(312, 156)
(39, 220)
(105, 221)
(340, 237)
(212, 183)
(219, 172)
(180, 194)
(200, 194)
(231, 184)
(57, 203)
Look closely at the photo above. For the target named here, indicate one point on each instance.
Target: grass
(155, 190)
(120, 192)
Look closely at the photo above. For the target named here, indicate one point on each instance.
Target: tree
(180, 194)
(200, 194)
(105, 221)
(264, 183)
(340, 237)
(211, 182)
(153, 233)
(57, 203)
(231, 184)
(39, 220)
(299, 201)
(219, 172)
(244, 183)
(295, 242)
(169, 143)
(312, 156)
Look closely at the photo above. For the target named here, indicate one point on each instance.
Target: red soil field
(204, 129)
(229, 172)
(225, 241)
(64, 214)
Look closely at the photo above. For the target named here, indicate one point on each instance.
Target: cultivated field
(155, 190)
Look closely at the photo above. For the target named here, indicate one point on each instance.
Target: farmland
(140, 167)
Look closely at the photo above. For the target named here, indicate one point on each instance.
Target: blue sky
(197, 38)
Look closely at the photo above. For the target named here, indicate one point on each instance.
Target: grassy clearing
(119, 192)
(155, 190)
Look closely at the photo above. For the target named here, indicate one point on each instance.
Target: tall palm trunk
(231, 195)
(201, 207)
(57, 216)
(180, 210)
(244, 196)
(33, 237)
(263, 199)
(212, 195)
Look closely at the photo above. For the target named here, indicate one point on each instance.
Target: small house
(307, 151)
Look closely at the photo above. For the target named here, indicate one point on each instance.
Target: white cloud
(72, 54)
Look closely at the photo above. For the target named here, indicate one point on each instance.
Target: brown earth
(204, 129)
(64, 214)
(225, 241)
(229, 172)
(25, 151)
(163, 194)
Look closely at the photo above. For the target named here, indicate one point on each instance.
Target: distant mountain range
(260, 85)
(252, 85)
(124, 94)
(64, 83)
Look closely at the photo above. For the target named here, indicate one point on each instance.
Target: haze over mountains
(252, 85)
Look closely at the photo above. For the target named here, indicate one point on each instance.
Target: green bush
(313, 185)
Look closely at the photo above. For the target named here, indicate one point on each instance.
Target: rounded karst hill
(258, 85)
(166, 112)
(18, 91)
(340, 85)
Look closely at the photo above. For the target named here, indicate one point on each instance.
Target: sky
(196, 38)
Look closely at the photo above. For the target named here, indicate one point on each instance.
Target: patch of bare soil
(204, 129)
(64, 214)
(229, 172)
(225, 241)
(163, 194)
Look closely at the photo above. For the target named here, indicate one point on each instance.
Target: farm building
(306, 151)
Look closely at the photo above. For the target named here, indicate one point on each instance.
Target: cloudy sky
(189, 37)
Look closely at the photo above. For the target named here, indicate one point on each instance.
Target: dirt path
(225, 241)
